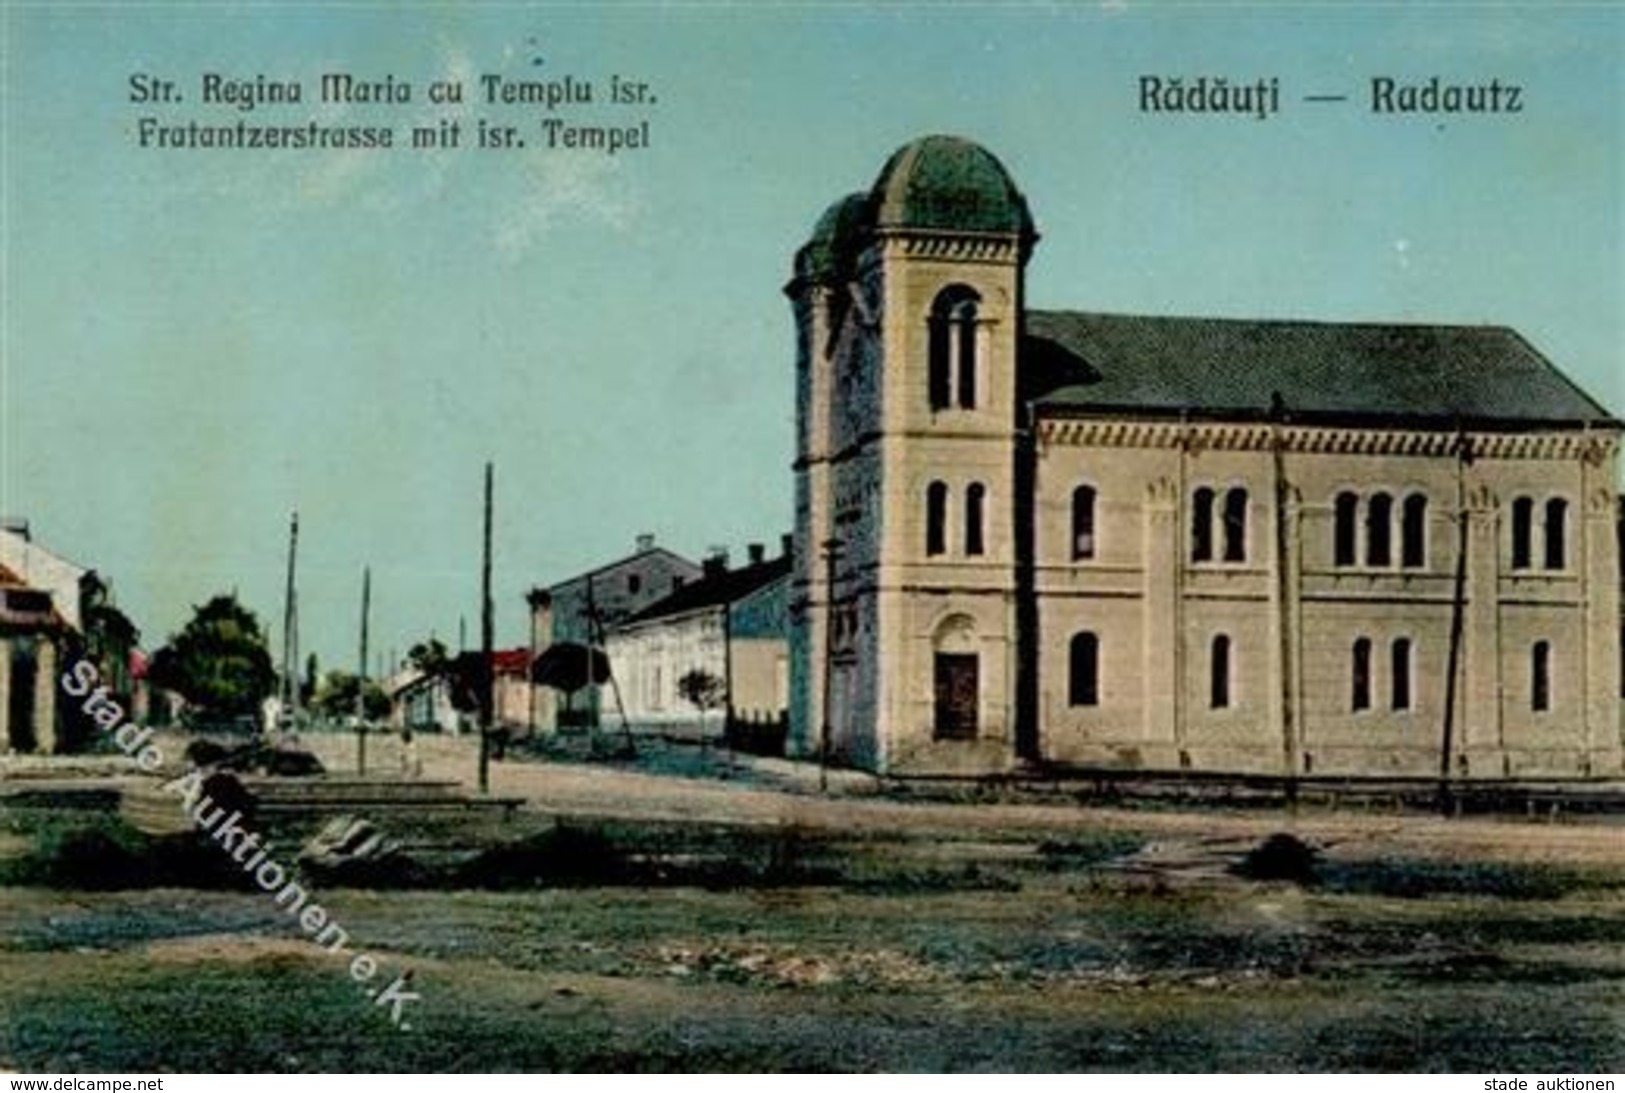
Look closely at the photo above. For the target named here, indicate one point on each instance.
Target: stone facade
(1064, 540)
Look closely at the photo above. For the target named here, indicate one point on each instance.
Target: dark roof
(715, 590)
(949, 183)
(1077, 362)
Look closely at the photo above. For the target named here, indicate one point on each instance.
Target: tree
(218, 662)
(703, 690)
(307, 688)
(335, 698)
(429, 657)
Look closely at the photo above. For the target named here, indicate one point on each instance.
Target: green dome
(836, 239)
(949, 184)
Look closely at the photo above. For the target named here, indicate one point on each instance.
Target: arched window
(1523, 533)
(1219, 673)
(952, 348)
(1540, 676)
(975, 502)
(1557, 519)
(1083, 670)
(1344, 532)
(1235, 525)
(1413, 532)
(1379, 530)
(1083, 522)
(1400, 674)
(1202, 525)
(1360, 698)
(936, 518)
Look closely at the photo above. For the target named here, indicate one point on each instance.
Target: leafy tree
(429, 657)
(308, 687)
(335, 698)
(704, 690)
(218, 662)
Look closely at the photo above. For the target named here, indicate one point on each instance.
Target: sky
(194, 344)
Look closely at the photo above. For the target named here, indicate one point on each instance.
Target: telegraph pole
(361, 676)
(290, 643)
(486, 638)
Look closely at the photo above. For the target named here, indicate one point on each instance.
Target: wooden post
(361, 677)
(486, 636)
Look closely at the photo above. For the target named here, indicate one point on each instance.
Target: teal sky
(197, 343)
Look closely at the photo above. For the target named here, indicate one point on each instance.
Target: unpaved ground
(905, 936)
(790, 796)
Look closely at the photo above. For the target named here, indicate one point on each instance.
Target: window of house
(1523, 533)
(1400, 674)
(1379, 530)
(1344, 533)
(1413, 532)
(1557, 518)
(1219, 673)
(951, 351)
(1540, 677)
(1360, 698)
(1202, 525)
(1083, 670)
(1235, 525)
(1083, 522)
(936, 518)
(975, 502)
(634, 583)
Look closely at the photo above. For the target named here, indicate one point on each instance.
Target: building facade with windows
(1066, 539)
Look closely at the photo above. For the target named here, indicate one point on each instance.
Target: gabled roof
(715, 590)
(1078, 363)
(609, 567)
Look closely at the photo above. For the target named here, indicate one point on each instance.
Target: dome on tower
(950, 184)
(835, 240)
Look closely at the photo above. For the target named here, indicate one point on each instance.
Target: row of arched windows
(936, 519)
(1378, 525)
(1386, 531)
(1083, 673)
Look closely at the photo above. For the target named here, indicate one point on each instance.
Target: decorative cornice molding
(999, 249)
(1321, 440)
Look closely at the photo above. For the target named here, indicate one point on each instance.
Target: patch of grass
(1411, 878)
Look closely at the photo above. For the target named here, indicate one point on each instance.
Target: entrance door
(957, 692)
(24, 668)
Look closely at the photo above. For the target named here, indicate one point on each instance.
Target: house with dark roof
(1051, 540)
(581, 610)
(730, 625)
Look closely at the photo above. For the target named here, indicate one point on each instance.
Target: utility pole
(290, 643)
(361, 676)
(832, 551)
(486, 637)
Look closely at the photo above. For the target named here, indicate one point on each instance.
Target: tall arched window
(1360, 696)
(1345, 516)
(975, 502)
(1219, 673)
(936, 518)
(1379, 530)
(952, 348)
(1540, 676)
(1400, 674)
(1557, 519)
(1083, 670)
(1083, 522)
(1523, 533)
(1235, 525)
(1413, 532)
(1202, 525)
